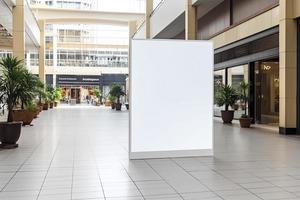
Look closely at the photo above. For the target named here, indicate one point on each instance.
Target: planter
(55, 104)
(227, 116)
(51, 105)
(127, 106)
(24, 116)
(28, 117)
(245, 122)
(118, 106)
(98, 104)
(113, 105)
(41, 108)
(9, 134)
(18, 115)
(36, 114)
(46, 106)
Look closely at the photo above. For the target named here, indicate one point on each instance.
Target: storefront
(77, 87)
(256, 61)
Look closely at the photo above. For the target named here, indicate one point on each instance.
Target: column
(190, 21)
(54, 48)
(149, 9)
(287, 68)
(19, 30)
(28, 59)
(42, 51)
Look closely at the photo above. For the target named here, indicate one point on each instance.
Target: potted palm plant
(12, 72)
(40, 90)
(50, 91)
(97, 94)
(226, 96)
(112, 100)
(117, 91)
(27, 94)
(245, 120)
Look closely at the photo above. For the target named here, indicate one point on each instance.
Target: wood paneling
(243, 9)
(229, 14)
(214, 21)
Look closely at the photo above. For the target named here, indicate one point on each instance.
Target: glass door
(267, 92)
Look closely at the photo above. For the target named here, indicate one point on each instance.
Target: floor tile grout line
(164, 179)
(277, 186)
(24, 163)
(47, 171)
(134, 183)
(238, 185)
(197, 180)
(73, 164)
(99, 176)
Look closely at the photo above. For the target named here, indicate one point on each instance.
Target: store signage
(78, 80)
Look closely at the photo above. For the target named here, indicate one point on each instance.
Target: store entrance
(75, 95)
(267, 92)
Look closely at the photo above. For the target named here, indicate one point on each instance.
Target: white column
(190, 21)
(149, 9)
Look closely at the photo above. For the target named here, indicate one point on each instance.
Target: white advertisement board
(171, 99)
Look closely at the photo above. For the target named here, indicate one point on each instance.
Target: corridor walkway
(81, 153)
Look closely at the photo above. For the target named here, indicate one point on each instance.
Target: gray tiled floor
(81, 153)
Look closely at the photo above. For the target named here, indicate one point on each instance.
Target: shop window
(235, 75)
(219, 79)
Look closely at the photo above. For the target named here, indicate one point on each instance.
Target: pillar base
(287, 131)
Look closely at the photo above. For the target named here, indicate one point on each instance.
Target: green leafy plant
(57, 94)
(244, 87)
(50, 93)
(226, 95)
(116, 91)
(28, 89)
(31, 106)
(97, 93)
(12, 73)
(40, 90)
(112, 98)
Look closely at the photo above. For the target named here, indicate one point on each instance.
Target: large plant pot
(227, 116)
(55, 104)
(24, 116)
(127, 106)
(18, 115)
(113, 105)
(28, 117)
(51, 105)
(118, 106)
(36, 113)
(9, 134)
(46, 106)
(245, 122)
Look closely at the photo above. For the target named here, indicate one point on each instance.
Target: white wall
(171, 98)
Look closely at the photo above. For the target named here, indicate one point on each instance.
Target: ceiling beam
(74, 16)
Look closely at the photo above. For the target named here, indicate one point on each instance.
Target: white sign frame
(183, 146)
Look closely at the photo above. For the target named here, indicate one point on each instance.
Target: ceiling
(5, 25)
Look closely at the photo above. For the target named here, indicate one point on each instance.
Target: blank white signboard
(171, 99)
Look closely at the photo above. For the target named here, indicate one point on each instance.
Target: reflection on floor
(82, 154)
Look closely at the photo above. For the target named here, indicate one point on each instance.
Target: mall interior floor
(82, 153)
